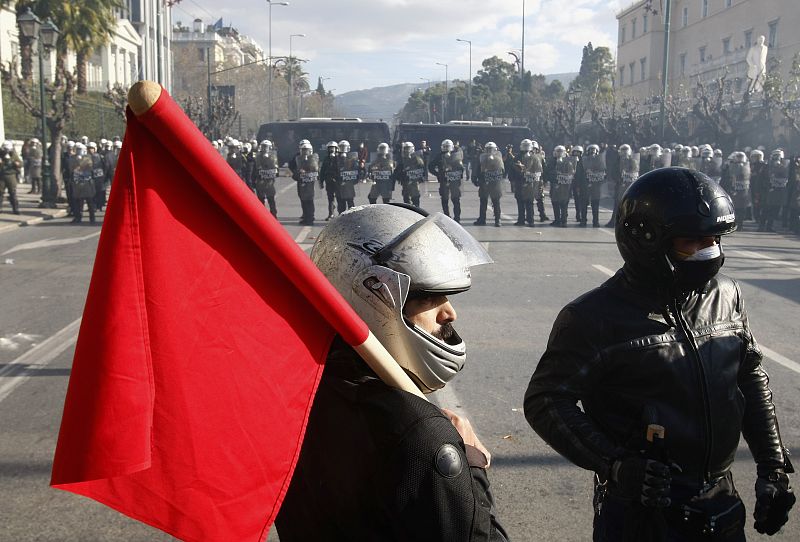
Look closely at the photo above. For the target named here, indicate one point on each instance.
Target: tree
(596, 75)
(223, 114)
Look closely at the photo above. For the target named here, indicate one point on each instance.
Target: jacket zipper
(684, 327)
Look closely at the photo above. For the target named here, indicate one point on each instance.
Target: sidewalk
(30, 213)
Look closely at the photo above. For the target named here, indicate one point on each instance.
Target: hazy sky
(370, 43)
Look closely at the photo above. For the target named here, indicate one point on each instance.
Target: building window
(201, 54)
(728, 3)
(685, 16)
(622, 34)
(644, 24)
(726, 46)
(630, 71)
(773, 34)
(622, 77)
(704, 9)
(683, 64)
(702, 54)
(633, 29)
(642, 65)
(748, 39)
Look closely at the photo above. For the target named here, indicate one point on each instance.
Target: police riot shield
(381, 171)
(414, 168)
(595, 167)
(266, 168)
(665, 160)
(308, 168)
(492, 167)
(779, 174)
(629, 170)
(712, 167)
(453, 168)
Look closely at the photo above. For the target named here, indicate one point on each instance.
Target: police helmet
(383, 149)
(490, 147)
(593, 150)
(344, 146)
(559, 151)
(526, 145)
(266, 145)
(8, 146)
(447, 146)
(625, 150)
(117, 144)
(408, 148)
(379, 256)
(305, 148)
(664, 204)
(777, 154)
(535, 145)
(707, 152)
(577, 150)
(756, 155)
(332, 144)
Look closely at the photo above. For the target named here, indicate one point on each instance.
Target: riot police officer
(381, 171)
(710, 165)
(580, 187)
(83, 185)
(449, 170)
(348, 170)
(235, 159)
(594, 167)
(628, 172)
(739, 186)
(778, 175)
(759, 183)
(329, 177)
(306, 173)
(668, 374)
(98, 176)
(490, 179)
(10, 166)
(265, 171)
(529, 170)
(560, 174)
(35, 156)
(410, 173)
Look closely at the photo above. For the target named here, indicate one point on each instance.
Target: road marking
(286, 188)
(486, 246)
(608, 231)
(762, 257)
(779, 359)
(50, 242)
(603, 269)
(37, 357)
(302, 235)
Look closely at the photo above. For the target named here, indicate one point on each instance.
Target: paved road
(506, 318)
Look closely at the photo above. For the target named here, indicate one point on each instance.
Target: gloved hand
(647, 478)
(774, 499)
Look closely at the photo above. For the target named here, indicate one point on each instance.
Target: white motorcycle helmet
(332, 147)
(706, 153)
(756, 155)
(306, 149)
(559, 151)
(383, 150)
(266, 146)
(408, 148)
(593, 150)
(526, 145)
(447, 146)
(344, 146)
(535, 146)
(379, 256)
(490, 147)
(625, 150)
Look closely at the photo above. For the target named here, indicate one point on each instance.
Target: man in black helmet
(668, 374)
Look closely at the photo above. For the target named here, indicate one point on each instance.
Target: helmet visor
(437, 253)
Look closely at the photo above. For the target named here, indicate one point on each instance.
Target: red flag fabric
(201, 346)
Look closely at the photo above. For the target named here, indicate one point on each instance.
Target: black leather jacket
(619, 349)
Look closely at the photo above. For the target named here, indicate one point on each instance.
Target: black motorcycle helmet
(664, 204)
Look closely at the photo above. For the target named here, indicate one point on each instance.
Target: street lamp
(446, 90)
(47, 36)
(271, 3)
(429, 97)
(290, 67)
(469, 88)
(665, 69)
(322, 96)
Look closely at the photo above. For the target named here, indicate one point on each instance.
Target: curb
(34, 220)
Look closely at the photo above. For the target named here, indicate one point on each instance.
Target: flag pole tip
(142, 96)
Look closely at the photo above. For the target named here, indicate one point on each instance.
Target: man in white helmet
(348, 169)
(490, 183)
(381, 171)
(265, 170)
(35, 156)
(306, 173)
(98, 176)
(594, 167)
(84, 189)
(759, 182)
(448, 168)
(710, 164)
(411, 172)
(778, 180)
(628, 172)
(10, 167)
(738, 186)
(378, 463)
(329, 177)
(560, 174)
(529, 169)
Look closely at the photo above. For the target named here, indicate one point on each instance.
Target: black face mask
(693, 275)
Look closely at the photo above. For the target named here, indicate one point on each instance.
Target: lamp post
(270, 3)
(665, 68)
(469, 88)
(522, 68)
(290, 68)
(573, 95)
(446, 91)
(47, 36)
(322, 96)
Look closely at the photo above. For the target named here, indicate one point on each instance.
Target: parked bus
(285, 135)
(461, 131)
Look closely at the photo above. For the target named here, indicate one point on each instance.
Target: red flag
(201, 347)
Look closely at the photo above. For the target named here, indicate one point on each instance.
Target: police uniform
(595, 171)
(265, 170)
(449, 171)
(347, 171)
(9, 174)
(381, 171)
(530, 185)
(99, 179)
(306, 173)
(490, 179)
(561, 176)
(411, 173)
(778, 180)
(396, 471)
(83, 189)
(329, 180)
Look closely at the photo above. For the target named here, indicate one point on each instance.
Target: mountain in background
(384, 102)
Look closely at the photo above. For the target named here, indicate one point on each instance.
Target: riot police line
(765, 189)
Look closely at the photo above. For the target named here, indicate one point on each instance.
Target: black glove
(774, 499)
(648, 479)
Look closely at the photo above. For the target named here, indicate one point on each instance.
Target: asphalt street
(505, 319)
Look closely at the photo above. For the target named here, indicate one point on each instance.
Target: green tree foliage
(596, 75)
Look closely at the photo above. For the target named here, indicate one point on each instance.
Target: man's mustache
(447, 334)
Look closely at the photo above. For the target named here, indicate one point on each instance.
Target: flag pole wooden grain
(141, 97)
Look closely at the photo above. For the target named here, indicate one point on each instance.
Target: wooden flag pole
(141, 97)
